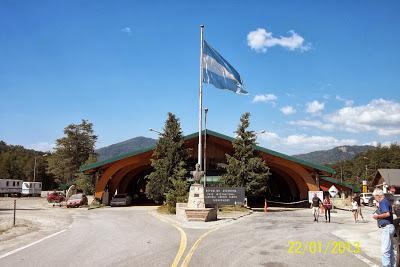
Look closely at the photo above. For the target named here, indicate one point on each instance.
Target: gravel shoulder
(35, 219)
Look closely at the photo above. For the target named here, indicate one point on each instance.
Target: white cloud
(347, 102)
(42, 146)
(269, 136)
(315, 107)
(287, 110)
(313, 123)
(260, 40)
(265, 98)
(379, 115)
(302, 143)
(127, 30)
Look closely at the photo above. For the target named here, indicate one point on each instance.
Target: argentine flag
(218, 72)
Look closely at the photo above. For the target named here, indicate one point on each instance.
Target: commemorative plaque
(224, 195)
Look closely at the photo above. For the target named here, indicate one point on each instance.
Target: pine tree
(245, 168)
(168, 178)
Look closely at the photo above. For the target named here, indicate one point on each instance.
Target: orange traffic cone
(265, 206)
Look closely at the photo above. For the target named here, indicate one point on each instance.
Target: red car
(55, 197)
(77, 200)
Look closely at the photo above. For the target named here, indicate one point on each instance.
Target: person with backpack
(327, 207)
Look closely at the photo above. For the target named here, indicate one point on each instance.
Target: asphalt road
(105, 237)
(264, 240)
(134, 237)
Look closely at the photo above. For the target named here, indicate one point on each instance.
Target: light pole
(205, 145)
(366, 168)
(34, 167)
(152, 130)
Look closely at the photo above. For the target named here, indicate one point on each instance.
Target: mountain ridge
(124, 147)
(329, 156)
(336, 154)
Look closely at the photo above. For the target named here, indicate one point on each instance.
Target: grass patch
(233, 208)
(164, 209)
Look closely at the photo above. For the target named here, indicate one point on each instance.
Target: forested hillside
(367, 163)
(17, 162)
(334, 155)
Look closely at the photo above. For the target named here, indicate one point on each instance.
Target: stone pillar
(196, 197)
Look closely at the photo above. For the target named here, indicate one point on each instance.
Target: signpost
(224, 195)
(333, 191)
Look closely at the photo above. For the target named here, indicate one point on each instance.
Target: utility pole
(341, 172)
(366, 168)
(34, 166)
(34, 169)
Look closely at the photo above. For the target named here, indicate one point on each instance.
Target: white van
(32, 188)
(10, 187)
(364, 198)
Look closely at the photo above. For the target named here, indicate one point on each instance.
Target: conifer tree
(169, 166)
(245, 168)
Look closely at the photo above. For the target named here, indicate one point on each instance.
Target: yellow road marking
(182, 247)
(188, 257)
(183, 243)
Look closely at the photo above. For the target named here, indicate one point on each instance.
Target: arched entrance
(290, 180)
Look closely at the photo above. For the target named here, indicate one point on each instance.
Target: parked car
(55, 197)
(364, 198)
(77, 200)
(121, 200)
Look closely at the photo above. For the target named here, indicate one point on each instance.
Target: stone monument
(196, 192)
(195, 209)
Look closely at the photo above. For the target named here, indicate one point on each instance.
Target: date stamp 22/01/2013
(319, 247)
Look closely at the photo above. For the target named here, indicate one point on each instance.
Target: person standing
(358, 199)
(384, 216)
(315, 203)
(354, 209)
(327, 207)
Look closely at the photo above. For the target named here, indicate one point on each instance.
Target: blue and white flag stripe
(218, 72)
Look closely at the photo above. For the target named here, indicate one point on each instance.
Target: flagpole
(199, 155)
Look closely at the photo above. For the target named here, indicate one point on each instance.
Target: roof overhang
(96, 165)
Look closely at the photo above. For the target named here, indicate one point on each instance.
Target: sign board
(320, 195)
(333, 191)
(224, 195)
(365, 186)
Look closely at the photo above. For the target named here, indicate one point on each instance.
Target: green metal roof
(215, 134)
(353, 187)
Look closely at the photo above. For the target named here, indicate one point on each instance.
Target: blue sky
(319, 74)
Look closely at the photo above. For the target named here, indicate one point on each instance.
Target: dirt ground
(35, 217)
